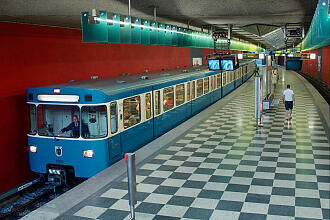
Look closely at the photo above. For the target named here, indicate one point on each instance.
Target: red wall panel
(310, 66)
(326, 64)
(206, 52)
(36, 56)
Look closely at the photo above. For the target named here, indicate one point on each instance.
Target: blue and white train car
(116, 115)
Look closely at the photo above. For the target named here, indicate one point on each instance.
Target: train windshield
(69, 121)
(59, 121)
(95, 121)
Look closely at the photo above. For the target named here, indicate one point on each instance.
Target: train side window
(193, 90)
(148, 105)
(113, 117)
(188, 91)
(168, 97)
(132, 111)
(33, 120)
(199, 87)
(206, 85)
(214, 82)
(224, 78)
(218, 81)
(94, 122)
(179, 93)
(211, 83)
(157, 102)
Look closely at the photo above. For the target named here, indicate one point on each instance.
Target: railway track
(31, 198)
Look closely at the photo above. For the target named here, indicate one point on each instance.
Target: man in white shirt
(288, 101)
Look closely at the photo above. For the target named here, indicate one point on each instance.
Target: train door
(115, 140)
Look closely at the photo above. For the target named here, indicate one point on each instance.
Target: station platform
(217, 166)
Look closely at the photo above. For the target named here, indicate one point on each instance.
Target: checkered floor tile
(224, 169)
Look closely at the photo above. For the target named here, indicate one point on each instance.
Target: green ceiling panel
(136, 32)
(168, 35)
(126, 31)
(114, 29)
(154, 33)
(174, 36)
(318, 34)
(145, 37)
(94, 32)
(161, 34)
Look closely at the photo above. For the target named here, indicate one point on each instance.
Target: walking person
(288, 101)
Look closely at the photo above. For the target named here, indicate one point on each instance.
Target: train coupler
(56, 177)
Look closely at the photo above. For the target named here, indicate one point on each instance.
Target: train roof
(126, 82)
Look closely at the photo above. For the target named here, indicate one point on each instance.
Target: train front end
(68, 134)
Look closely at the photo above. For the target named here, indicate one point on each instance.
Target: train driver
(74, 126)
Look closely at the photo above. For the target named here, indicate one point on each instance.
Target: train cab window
(179, 94)
(188, 91)
(218, 81)
(157, 102)
(206, 85)
(193, 90)
(199, 87)
(59, 121)
(148, 106)
(113, 117)
(33, 120)
(94, 122)
(168, 96)
(132, 114)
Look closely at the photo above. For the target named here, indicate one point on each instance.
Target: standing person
(288, 101)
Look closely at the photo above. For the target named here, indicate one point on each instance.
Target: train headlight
(33, 149)
(88, 153)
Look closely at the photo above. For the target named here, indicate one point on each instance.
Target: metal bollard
(131, 175)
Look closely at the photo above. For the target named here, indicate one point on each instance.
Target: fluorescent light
(58, 98)
(312, 56)
(150, 27)
(240, 56)
(57, 90)
(261, 56)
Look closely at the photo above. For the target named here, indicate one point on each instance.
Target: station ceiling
(251, 19)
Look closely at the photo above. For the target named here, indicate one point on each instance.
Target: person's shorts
(288, 105)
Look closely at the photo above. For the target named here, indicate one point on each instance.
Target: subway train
(77, 129)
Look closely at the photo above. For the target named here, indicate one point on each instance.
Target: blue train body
(117, 115)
